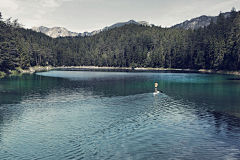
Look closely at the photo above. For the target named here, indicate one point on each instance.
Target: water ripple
(77, 119)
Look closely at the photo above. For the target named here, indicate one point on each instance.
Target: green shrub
(2, 74)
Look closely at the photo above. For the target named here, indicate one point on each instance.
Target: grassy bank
(2, 74)
(19, 70)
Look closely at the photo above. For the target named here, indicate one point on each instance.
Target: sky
(89, 15)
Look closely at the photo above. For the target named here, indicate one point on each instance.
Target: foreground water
(78, 114)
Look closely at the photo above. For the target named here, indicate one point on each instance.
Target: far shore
(163, 69)
(46, 68)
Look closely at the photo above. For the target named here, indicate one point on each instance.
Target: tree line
(216, 46)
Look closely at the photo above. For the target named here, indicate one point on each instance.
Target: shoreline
(160, 69)
(47, 68)
(220, 72)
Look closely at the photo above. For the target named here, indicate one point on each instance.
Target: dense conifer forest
(216, 46)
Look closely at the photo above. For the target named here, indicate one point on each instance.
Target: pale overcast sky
(89, 15)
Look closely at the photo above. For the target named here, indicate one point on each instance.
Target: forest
(216, 47)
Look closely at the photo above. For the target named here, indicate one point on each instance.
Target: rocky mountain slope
(55, 31)
(198, 22)
(62, 32)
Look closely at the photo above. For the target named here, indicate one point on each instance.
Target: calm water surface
(76, 114)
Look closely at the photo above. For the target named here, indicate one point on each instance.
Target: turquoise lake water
(104, 114)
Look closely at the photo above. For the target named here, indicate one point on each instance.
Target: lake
(113, 114)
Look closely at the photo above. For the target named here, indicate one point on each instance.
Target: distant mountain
(55, 31)
(113, 26)
(63, 32)
(129, 22)
(198, 22)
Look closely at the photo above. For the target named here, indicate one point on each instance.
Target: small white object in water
(156, 92)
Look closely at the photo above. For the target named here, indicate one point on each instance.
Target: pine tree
(24, 55)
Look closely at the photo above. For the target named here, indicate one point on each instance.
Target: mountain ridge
(55, 31)
(194, 23)
(198, 22)
(63, 32)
